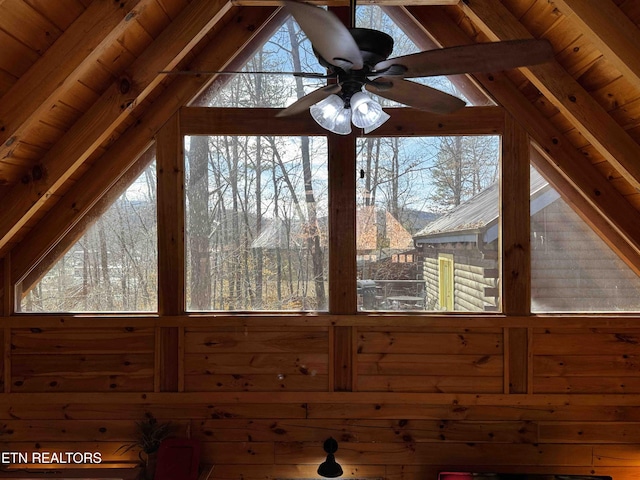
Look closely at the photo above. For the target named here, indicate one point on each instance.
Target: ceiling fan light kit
(357, 59)
(336, 115)
(332, 115)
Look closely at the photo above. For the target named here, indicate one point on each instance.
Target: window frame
(342, 184)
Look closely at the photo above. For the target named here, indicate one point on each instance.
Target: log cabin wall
(406, 396)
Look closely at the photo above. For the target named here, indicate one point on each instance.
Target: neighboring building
(387, 266)
(572, 269)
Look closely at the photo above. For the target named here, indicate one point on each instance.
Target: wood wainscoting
(262, 393)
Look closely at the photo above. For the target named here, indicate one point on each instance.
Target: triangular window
(112, 267)
(572, 268)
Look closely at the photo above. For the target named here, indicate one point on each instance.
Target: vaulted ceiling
(82, 96)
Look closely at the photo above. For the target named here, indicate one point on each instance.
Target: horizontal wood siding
(470, 284)
(473, 288)
(574, 361)
(420, 360)
(256, 359)
(82, 359)
(257, 396)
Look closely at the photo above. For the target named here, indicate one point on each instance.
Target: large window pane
(256, 223)
(427, 223)
(572, 268)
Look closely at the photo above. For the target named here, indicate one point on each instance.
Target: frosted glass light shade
(330, 114)
(367, 113)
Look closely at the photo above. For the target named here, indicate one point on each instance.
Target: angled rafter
(612, 32)
(593, 121)
(110, 111)
(80, 45)
(590, 192)
(242, 26)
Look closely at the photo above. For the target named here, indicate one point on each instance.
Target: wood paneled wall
(429, 394)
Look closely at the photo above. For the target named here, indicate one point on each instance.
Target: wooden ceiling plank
(113, 107)
(28, 26)
(612, 32)
(62, 13)
(564, 91)
(243, 25)
(596, 192)
(62, 66)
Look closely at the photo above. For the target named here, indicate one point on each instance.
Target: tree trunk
(313, 235)
(199, 225)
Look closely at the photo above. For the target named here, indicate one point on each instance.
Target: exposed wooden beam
(342, 218)
(319, 319)
(596, 190)
(96, 30)
(590, 192)
(242, 25)
(171, 255)
(342, 359)
(167, 359)
(585, 210)
(514, 220)
(113, 107)
(403, 122)
(612, 32)
(517, 362)
(591, 119)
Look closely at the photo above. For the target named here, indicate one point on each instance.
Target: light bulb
(367, 113)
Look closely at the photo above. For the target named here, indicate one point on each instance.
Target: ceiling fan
(357, 60)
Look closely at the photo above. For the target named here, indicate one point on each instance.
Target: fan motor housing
(375, 46)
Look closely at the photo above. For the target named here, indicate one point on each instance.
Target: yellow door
(445, 263)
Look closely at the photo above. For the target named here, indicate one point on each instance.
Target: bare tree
(464, 167)
(313, 232)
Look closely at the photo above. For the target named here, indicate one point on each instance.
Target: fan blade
(329, 37)
(303, 104)
(246, 72)
(476, 58)
(415, 95)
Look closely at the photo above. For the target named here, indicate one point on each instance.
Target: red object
(178, 459)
